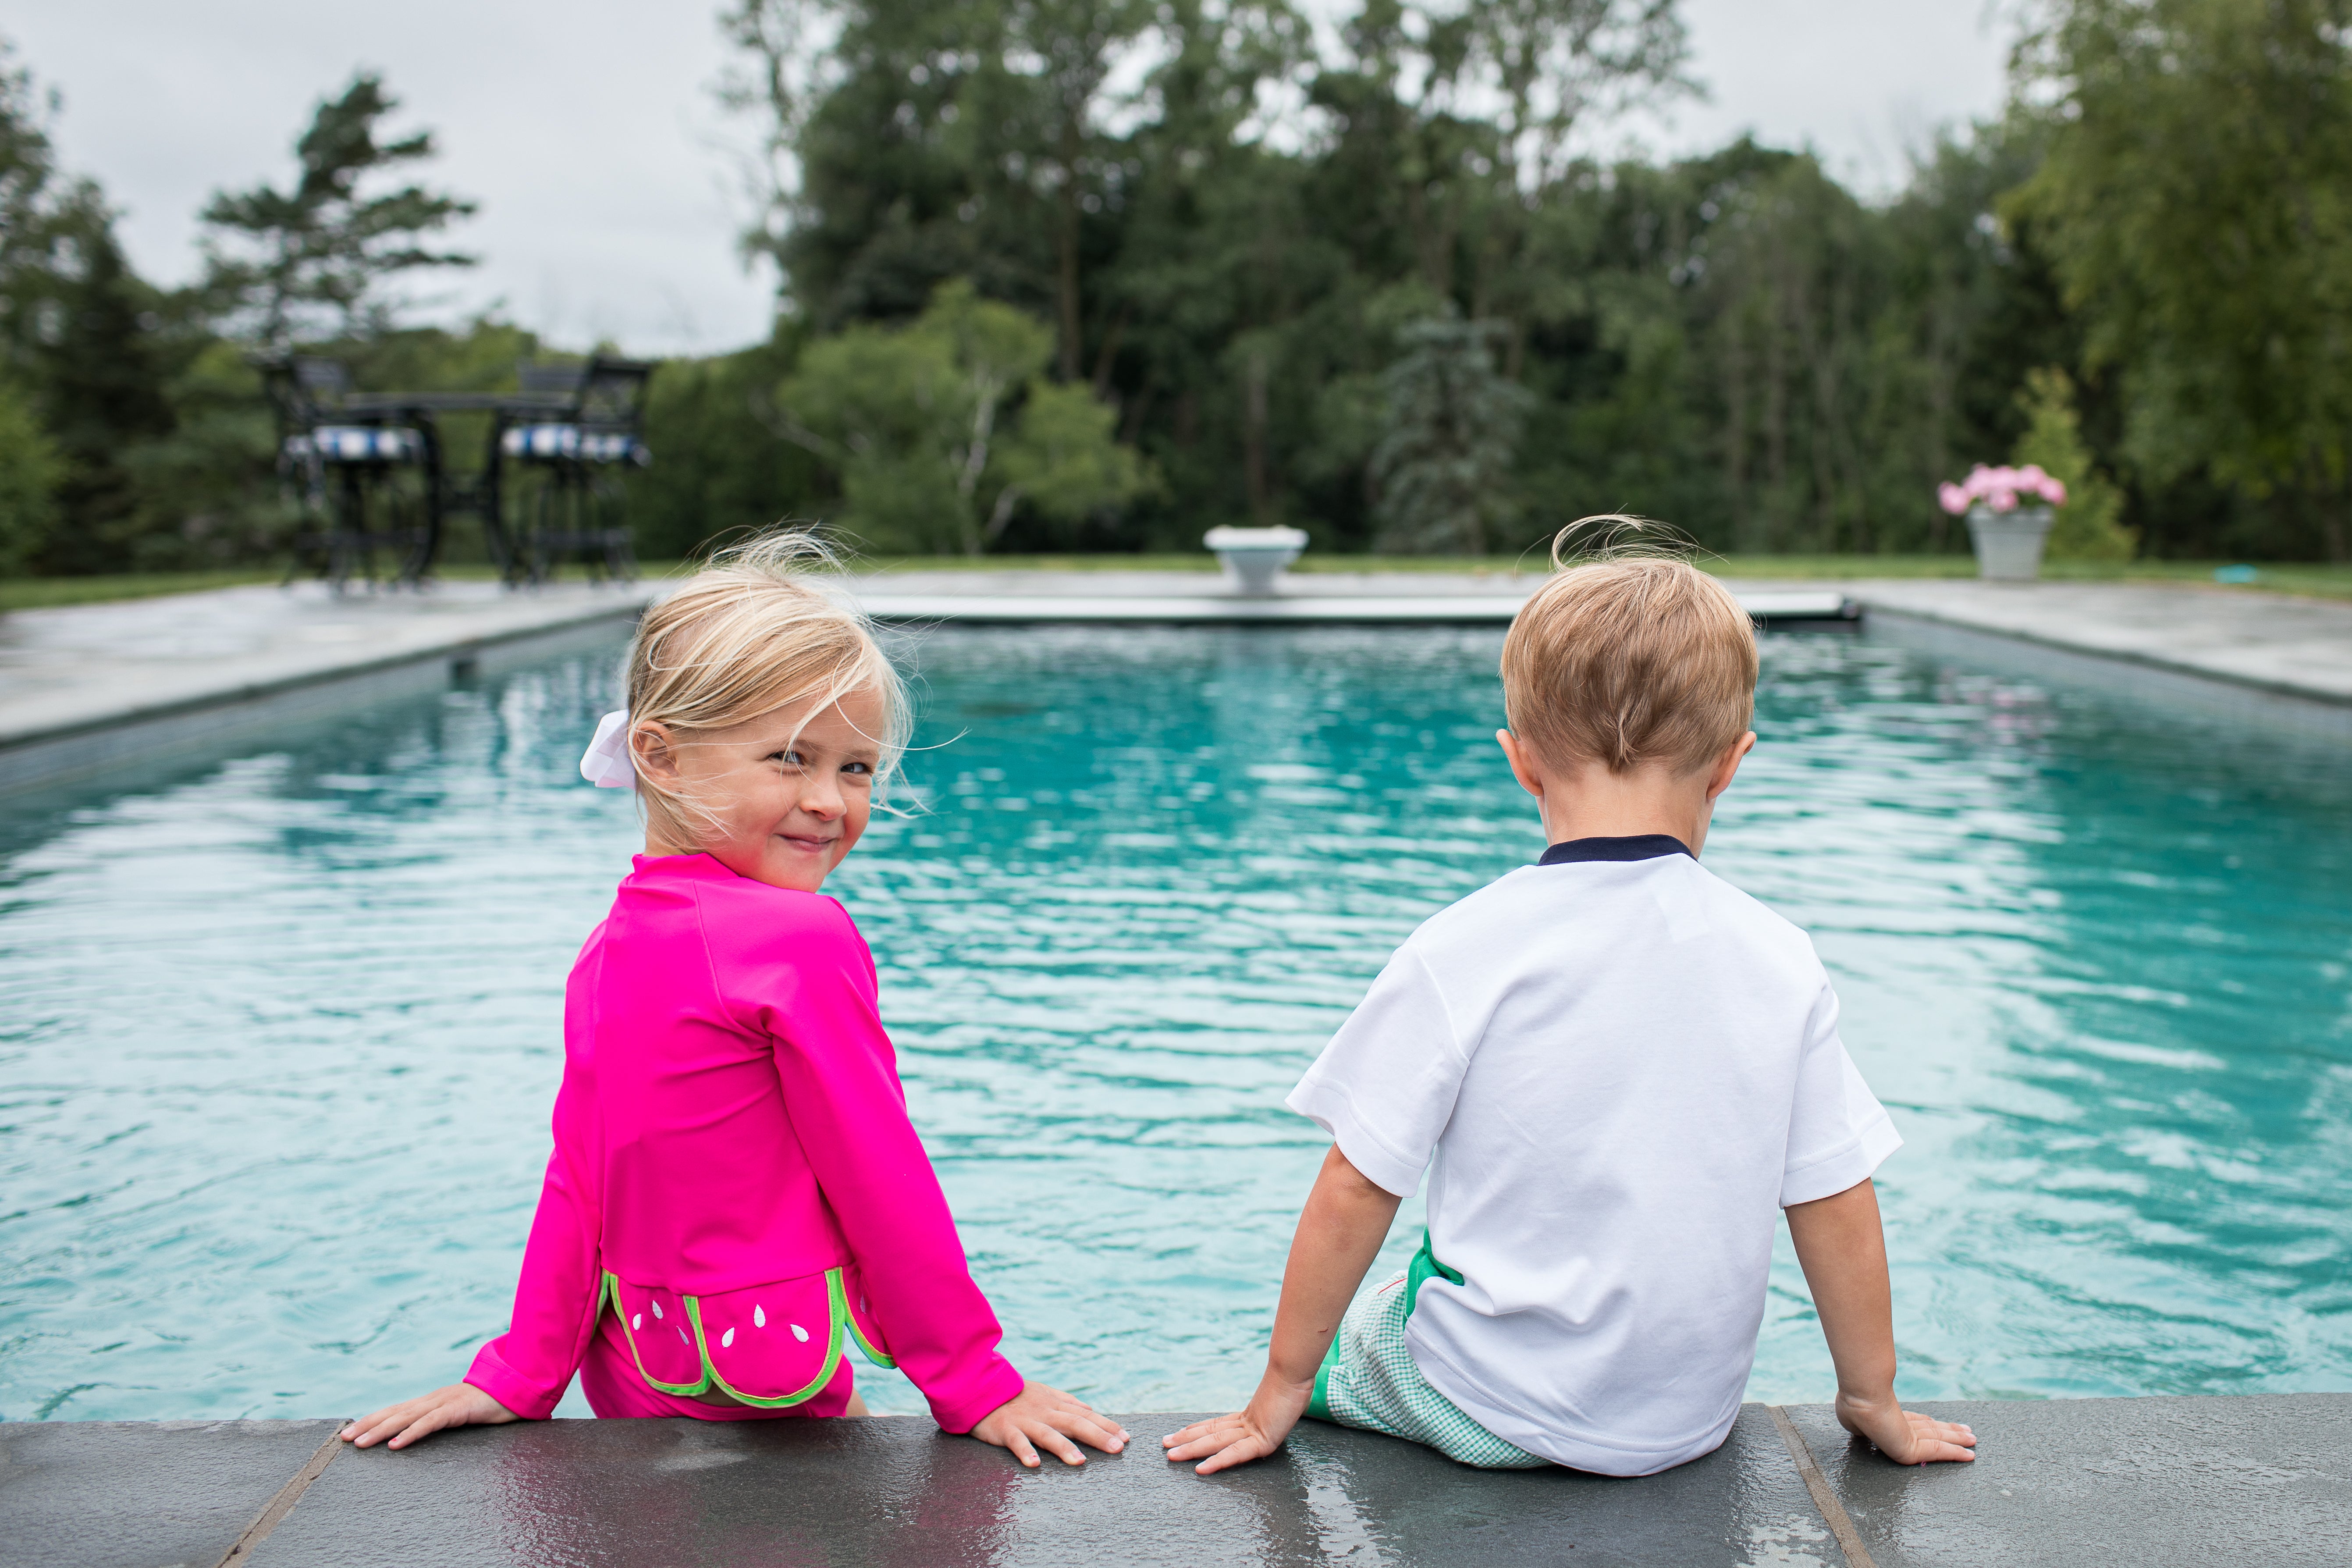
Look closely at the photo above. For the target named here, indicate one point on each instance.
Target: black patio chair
(349, 474)
(579, 509)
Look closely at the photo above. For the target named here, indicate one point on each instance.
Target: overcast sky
(610, 199)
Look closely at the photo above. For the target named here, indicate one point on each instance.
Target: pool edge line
(84, 748)
(2124, 671)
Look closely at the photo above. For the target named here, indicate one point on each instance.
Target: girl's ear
(654, 751)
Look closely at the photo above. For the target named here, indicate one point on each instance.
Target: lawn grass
(2305, 579)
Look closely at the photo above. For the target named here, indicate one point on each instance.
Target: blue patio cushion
(357, 443)
(557, 443)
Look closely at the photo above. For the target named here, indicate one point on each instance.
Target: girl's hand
(460, 1405)
(1253, 1434)
(1041, 1417)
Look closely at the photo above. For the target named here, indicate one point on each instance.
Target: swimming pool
(278, 1033)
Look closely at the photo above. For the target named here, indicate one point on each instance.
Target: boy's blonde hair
(750, 632)
(1628, 657)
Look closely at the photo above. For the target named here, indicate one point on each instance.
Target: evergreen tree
(312, 260)
(81, 335)
(1443, 463)
(2089, 526)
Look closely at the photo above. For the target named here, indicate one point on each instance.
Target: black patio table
(445, 491)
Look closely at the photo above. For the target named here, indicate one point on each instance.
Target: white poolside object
(2009, 544)
(1253, 557)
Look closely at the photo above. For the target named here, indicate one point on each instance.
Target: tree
(1443, 463)
(313, 259)
(940, 429)
(30, 470)
(2197, 201)
(2089, 526)
(81, 337)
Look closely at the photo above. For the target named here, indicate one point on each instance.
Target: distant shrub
(30, 471)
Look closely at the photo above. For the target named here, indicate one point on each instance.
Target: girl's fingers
(1094, 1434)
(1061, 1448)
(1018, 1442)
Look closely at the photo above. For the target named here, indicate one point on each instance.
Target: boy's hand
(1904, 1436)
(1253, 1434)
(460, 1405)
(1041, 1417)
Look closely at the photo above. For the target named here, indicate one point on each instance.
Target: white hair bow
(607, 764)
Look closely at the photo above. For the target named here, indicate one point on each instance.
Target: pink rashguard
(736, 1191)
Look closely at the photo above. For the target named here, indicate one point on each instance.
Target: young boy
(1618, 1070)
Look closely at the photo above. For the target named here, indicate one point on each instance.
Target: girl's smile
(782, 798)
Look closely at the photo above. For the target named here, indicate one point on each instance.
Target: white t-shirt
(1618, 1072)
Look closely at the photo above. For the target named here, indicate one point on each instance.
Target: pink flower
(1952, 499)
(2004, 501)
(2055, 492)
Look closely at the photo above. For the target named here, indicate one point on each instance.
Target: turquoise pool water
(279, 1033)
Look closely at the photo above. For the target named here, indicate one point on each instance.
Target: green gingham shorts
(1368, 1379)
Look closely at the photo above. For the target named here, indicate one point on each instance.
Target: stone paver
(89, 689)
(140, 1494)
(2154, 1482)
(896, 1491)
(2296, 647)
(84, 667)
(2072, 1483)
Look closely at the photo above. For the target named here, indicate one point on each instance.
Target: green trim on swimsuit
(841, 1325)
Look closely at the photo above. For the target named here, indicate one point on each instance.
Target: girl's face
(782, 796)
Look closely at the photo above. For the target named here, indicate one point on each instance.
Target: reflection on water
(279, 1035)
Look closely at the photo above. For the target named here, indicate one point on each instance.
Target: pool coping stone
(2154, 1481)
(92, 689)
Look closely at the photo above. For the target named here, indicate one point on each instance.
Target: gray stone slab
(140, 1494)
(2152, 1482)
(2272, 642)
(891, 1492)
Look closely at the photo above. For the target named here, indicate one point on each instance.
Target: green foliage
(940, 429)
(2089, 526)
(311, 259)
(2197, 201)
(30, 470)
(1451, 427)
(720, 467)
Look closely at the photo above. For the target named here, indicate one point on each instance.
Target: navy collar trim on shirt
(1638, 847)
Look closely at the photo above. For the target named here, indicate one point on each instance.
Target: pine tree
(1444, 462)
(288, 264)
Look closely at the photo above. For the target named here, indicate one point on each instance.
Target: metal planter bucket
(2009, 544)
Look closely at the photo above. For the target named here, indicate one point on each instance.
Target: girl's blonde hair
(750, 632)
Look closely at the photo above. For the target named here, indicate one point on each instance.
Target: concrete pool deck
(86, 689)
(2154, 1482)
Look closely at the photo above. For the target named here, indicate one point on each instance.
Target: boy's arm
(1844, 1252)
(1339, 1233)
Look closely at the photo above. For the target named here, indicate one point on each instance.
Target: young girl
(736, 1191)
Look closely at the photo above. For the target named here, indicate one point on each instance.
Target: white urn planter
(2009, 543)
(1253, 557)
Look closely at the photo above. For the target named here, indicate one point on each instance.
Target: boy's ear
(1719, 777)
(1524, 766)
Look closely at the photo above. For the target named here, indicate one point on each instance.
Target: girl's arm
(524, 1372)
(841, 1088)
(1842, 1249)
(1339, 1233)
